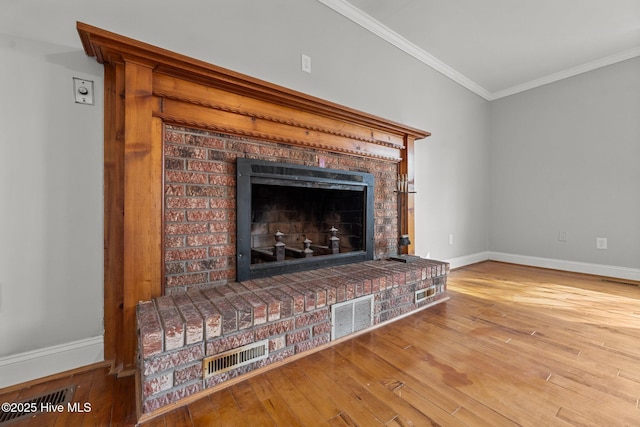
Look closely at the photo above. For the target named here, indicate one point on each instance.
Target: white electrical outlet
(563, 236)
(451, 239)
(601, 243)
(305, 61)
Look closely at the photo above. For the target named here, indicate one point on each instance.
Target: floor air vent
(30, 407)
(235, 358)
(351, 316)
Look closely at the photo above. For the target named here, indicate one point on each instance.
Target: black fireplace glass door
(293, 217)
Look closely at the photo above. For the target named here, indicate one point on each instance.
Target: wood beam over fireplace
(147, 87)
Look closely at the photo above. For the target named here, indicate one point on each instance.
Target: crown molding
(351, 12)
(346, 9)
(570, 72)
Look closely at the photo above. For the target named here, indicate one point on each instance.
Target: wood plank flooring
(514, 345)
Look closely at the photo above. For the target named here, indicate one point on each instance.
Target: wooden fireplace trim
(146, 86)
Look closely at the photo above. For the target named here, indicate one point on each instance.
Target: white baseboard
(31, 365)
(624, 273)
(574, 266)
(467, 259)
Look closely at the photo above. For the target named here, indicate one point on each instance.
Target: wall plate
(601, 243)
(305, 61)
(83, 90)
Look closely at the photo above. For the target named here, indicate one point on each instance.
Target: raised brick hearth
(292, 311)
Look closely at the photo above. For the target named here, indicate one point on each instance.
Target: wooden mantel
(147, 86)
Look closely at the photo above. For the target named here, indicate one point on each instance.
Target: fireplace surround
(187, 146)
(152, 95)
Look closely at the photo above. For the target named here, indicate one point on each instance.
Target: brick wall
(200, 202)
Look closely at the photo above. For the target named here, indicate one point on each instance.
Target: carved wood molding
(179, 112)
(171, 88)
(190, 80)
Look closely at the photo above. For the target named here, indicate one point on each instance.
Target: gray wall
(505, 176)
(50, 198)
(51, 162)
(565, 157)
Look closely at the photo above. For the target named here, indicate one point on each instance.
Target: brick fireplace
(175, 130)
(200, 204)
(206, 312)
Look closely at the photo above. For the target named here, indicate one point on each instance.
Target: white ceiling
(500, 47)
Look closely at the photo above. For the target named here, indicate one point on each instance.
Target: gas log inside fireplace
(293, 218)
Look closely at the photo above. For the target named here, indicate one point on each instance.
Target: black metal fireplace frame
(251, 171)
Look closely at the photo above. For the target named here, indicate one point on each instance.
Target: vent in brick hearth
(423, 294)
(351, 316)
(235, 358)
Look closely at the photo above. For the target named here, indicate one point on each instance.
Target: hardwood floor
(513, 346)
